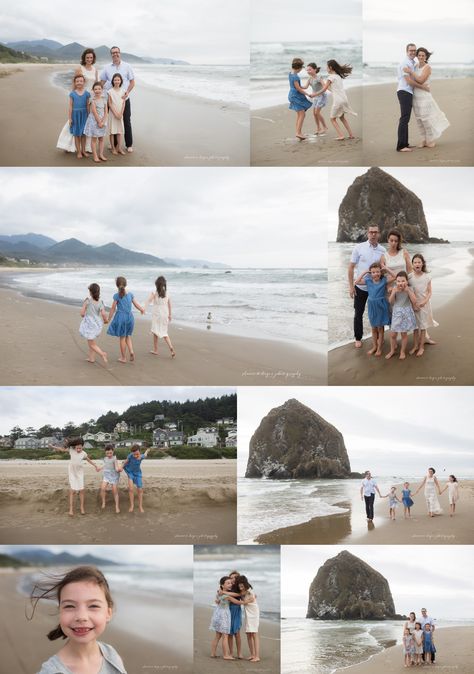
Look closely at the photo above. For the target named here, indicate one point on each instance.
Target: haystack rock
(377, 198)
(292, 441)
(346, 588)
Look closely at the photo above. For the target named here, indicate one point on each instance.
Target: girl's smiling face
(97, 91)
(228, 584)
(83, 611)
(78, 448)
(375, 273)
(311, 71)
(116, 82)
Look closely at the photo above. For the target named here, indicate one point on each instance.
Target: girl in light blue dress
(221, 618)
(296, 96)
(93, 318)
(393, 501)
(379, 311)
(121, 318)
(407, 499)
(79, 102)
(428, 643)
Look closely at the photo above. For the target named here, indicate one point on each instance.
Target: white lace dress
(431, 497)
(430, 119)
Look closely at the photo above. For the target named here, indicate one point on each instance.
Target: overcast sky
(208, 31)
(396, 432)
(306, 20)
(445, 28)
(155, 555)
(263, 217)
(446, 194)
(420, 576)
(38, 406)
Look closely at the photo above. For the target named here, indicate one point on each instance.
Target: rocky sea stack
(292, 441)
(376, 197)
(346, 588)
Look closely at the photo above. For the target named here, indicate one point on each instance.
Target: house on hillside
(28, 442)
(129, 442)
(176, 438)
(205, 437)
(51, 440)
(121, 427)
(225, 421)
(160, 437)
(149, 426)
(6, 441)
(231, 439)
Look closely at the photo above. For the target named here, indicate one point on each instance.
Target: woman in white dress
(430, 119)
(431, 484)
(396, 258)
(87, 69)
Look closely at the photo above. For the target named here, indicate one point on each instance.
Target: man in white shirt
(362, 257)
(405, 97)
(125, 70)
(367, 492)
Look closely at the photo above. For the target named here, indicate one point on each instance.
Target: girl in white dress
(453, 494)
(340, 104)
(431, 484)
(252, 617)
(420, 282)
(75, 470)
(93, 317)
(430, 119)
(116, 104)
(160, 315)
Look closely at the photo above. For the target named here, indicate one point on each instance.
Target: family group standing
(418, 640)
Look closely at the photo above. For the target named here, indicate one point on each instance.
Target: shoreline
(223, 139)
(453, 647)
(273, 143)
(381, 114)
(448, 363)
(420, 530)
(203, 357)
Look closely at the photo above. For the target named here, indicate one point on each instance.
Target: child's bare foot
(430, 341)
(97, 160)
(372, 351)
(378, 353)
(132, 355)
(155, 353)
(430, 144)
(122, 360)
(102, 158)
(83, 512)
(122, 151)
(90, 360)
(71, 514)
(255, 660)
(301, 137)
(227, 657)
(420, 352)
(421, 145)
(130, 510)
(114, 152)
(104, 357)
(340, 138)
(79, 155)
(141, 509)
(117, 510)
(103, 505)
(389, 354)
(402, 355)
(86, 154)
(412, 351)
(351, 137)
(173, 353)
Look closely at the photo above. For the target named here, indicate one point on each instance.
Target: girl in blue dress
(407, 499)
(121, 318)
(428, 643)
(79, 103)
(296, 96)
(379, 312)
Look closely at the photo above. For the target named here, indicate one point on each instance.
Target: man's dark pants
(406, 101)
(360, 300)
(127, 123)
(369, 506)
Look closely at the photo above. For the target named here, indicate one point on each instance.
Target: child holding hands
(76, 470)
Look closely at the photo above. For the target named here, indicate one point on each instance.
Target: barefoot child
(453, 494)
(252, 617)
(428, 644)
(340, 104)
(379, 314)
(221, 619)
(406, 500)
(96, 125)
(123, 322)
(408, 647)
(420, 282)
(296, 96)
(235, 614)
(160, 315)
(319, 101)
(111, 476)
(85, 608)
(76, 470)
(132, 466)
(418, 639)
(93, 317)
(403, 302)
(116, 104)
(393, 501)
(78, 111)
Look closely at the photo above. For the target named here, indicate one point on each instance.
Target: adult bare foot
(402, 356)
(406, 149)
(102, 158)
(420, 352)
(155, 353)
(89, 360)
(141, 510)
(428, 340)
(372, 351)
(301, 137)
(122, 151)
(378, 353)
(122, 360)
(412, 351)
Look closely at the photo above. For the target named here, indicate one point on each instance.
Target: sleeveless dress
(428, 645)
(123, 322)
(431, 496)
(76, 469)
(79, 112)
(92, 129)
(220, 621)
(430, 119)
(110, 475)
(408, 645)
(453, 492)
(395, 263)
(235, 618)
(115, 125)
(298, 101)
(92, 323)
(418, 634)
(159, 316)
(378, 305)
(403, 316)
(407, 502)
(424, 317)
(252, 614)
(316, 85)
(340, 104)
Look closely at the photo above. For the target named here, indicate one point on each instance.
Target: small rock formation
(292, 441)
(376, 197)
(346, 588)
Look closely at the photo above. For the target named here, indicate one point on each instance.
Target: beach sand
(454, 653)
(169, 129)
(24, 645)
(42, 346)
(449, 363)
(381, 114)
(269, 648)
(419, 530)
(185, 502)
(273, 142)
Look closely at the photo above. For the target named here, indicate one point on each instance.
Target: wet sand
(185, 502)
(164, 125)
(273, 142)
(449, 363)
(453, 653)
(42, 346)
(269, 648)
(419, 530)
(381, 114)
(24, 645)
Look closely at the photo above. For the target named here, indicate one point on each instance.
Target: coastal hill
(376, 197)
(53, 51)
(9, 55)
(43, 557)
(346, 588)
(293, 441)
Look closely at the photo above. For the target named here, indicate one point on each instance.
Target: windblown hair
(314, 66)
(242, 580)
(94, 290)
(395, 232)
(431, 468)
(428, 53)
(84, 54)
(342, 71)
(121, 283)
(73, 442)
(455, 479)
(160, 284)
(56, 584)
